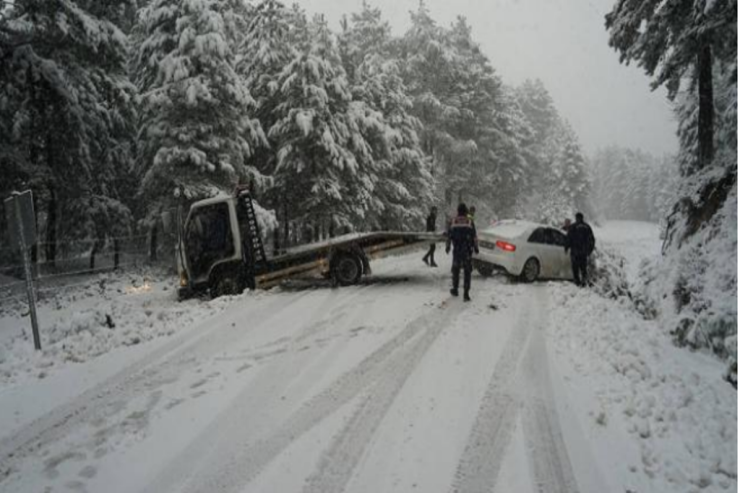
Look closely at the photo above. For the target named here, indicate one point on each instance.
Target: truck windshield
(209, 238)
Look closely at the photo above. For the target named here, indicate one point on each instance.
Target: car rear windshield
(512, 229)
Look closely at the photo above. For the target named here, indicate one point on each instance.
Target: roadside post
(22, 228)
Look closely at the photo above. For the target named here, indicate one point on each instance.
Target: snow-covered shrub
(606, 272)
(694, 287)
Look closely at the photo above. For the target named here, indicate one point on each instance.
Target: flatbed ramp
(318, 258)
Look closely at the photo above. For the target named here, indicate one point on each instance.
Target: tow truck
(220, 250)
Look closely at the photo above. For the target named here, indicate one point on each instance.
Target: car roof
(513, 228)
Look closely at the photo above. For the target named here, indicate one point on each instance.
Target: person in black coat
(431, 228)
(581, 243)
(463, 238)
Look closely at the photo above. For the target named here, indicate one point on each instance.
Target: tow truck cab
(210, 246)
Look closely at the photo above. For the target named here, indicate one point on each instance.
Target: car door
(538, 243)
(556, 242)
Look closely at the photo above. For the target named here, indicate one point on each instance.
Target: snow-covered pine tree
(512, 156)
(538, 107)
(265, 49)
(574, 184)
(476, 90)
(196, 126)
(403, 183)
(545, 203)
(429, 72)
(64, 77)
(316, 139)
(675, 40)
(363, 34)
(552, 205)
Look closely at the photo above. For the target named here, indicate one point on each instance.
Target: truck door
(208, 239)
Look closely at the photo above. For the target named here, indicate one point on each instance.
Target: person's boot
(466, 296)
(433, 263)
(454, 292)
(424, 259)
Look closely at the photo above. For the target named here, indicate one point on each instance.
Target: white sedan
(523, 249)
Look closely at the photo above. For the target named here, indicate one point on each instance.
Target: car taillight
(506, 246)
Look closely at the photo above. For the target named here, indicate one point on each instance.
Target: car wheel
(531, 270)
(346, 269)
(486, 270)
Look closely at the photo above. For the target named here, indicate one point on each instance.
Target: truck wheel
(531, 270)
(224, 285)
(486, 270)
(346, 269)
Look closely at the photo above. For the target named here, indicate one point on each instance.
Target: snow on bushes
(607, 275)
(693, 289)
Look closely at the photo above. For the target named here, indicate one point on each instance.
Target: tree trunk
(51, 227)
(35, 246)
(706, 107)
(93, 253)
(276, 242)
(286, 225)
(153, 244)
(116, 253)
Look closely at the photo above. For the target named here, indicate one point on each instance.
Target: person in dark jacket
(431, 228)
(581, 243)
(462, 237)
(566, 225)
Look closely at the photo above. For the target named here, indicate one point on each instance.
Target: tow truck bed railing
(315, 258)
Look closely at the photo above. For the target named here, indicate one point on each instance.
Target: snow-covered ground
(390, 386)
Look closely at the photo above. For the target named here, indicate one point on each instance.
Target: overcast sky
(564, 43)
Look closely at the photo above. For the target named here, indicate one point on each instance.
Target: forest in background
(112, 112)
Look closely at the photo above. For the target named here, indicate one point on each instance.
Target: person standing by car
(462, 237)
(431, 228)
(581, 243)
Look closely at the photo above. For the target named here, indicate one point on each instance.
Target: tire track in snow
(242, 466)
(230, 428)
(520, 382)
(338, 463)
(545, 444)
(480, 463)
(161, 366)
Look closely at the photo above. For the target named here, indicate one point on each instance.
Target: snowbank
(693, 289)
(628, 375)
(92, 318)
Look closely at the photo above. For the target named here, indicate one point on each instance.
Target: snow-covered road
(392, 386)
